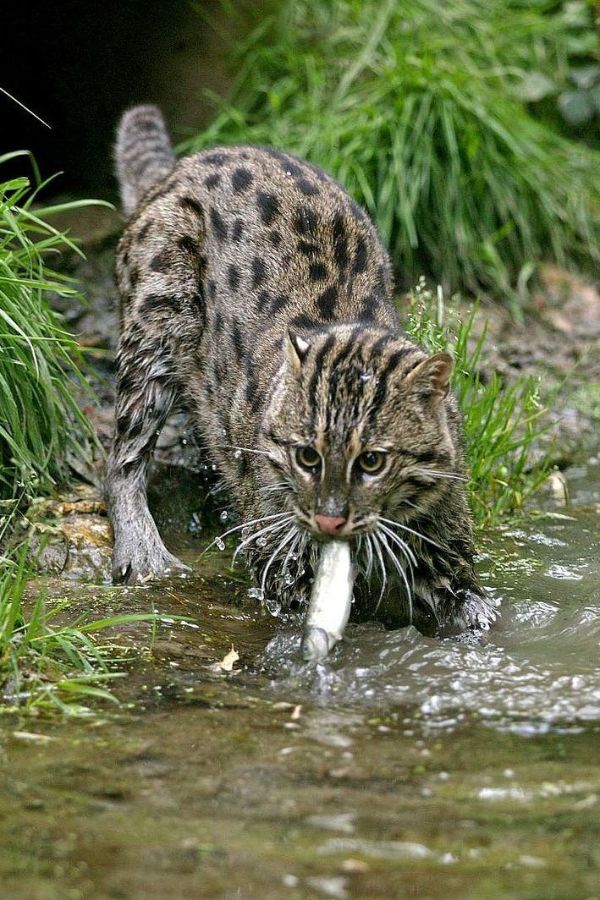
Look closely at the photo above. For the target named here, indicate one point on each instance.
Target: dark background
(78, 65)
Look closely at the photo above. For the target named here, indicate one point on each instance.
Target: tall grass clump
(502, 421)
(43, 662)
(40, 419)
(422, 110)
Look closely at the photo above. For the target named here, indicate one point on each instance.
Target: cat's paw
(141, 563)
(478, 612)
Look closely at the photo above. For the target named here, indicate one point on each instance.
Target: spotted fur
(255, 291)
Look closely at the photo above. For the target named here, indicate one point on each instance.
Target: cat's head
(360, 429)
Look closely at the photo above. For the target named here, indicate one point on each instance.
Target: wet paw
(144, 564)
(479, 611)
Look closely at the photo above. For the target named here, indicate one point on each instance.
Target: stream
(402, 767)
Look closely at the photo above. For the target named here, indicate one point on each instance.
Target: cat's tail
(143, 153)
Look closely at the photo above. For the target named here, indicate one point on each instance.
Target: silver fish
(330, 602)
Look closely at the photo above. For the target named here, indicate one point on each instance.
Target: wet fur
(257, 293)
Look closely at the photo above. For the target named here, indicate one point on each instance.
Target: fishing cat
(257, 293)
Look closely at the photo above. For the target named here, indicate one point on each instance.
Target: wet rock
(71, 535)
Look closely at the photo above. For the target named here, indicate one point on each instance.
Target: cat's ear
(296, 348)
(432, 375)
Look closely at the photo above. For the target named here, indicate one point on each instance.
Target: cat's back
(281, 239)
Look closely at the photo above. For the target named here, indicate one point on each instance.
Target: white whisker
(369, 567)
(374, 537)
(272, 487)
(244, 449)
(297, 540)
(399, 568)
(289, 536)
(435, 473)
(409, 503)
(276, 526)
(365, 550)
(243, 525)
(406, 550)
(412, 531)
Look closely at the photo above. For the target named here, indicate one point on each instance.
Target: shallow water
(403, 767)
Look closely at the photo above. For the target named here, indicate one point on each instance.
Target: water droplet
(273, 606)
(220, 544)
(262, 542)
(195, 524)
(237, 454)
(366, 376)
(289, 579)
(213, 467)
(224, 516)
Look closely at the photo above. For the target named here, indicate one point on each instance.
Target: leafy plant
(42, 663)
(421, 110)
(502, 421)
(39, 361)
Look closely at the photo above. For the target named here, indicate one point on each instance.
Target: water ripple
(538, 670)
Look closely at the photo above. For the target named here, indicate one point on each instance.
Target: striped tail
(143, 153)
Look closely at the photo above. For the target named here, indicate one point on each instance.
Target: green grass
(45, 664)
(40, 363)
(586, 399)
(421, 110)
(503, 421)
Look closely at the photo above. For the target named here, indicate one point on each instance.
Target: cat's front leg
(474, 610)
(139, 552)
(459, 610)
(145, 394)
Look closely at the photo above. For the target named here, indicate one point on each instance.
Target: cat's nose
(330, 524)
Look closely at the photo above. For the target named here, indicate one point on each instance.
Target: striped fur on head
(350, 390)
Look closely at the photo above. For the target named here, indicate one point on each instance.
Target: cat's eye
(308, 458)
(371, 462)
